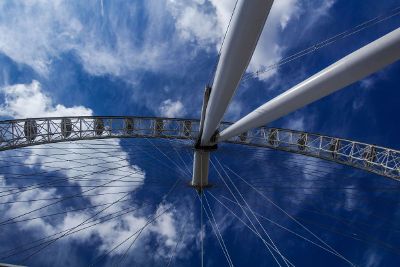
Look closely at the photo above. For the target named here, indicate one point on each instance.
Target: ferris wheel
(82, 152)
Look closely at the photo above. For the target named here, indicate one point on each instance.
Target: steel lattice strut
(30, 132)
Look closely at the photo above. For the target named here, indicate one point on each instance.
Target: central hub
(200, 169)
(201, 164)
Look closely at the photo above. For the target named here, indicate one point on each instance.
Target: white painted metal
(241, 40)
(348, 70)
(200, 169)
(373, 158)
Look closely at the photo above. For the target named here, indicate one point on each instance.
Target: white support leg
(241, 40)
(200, 169)
(346, 71)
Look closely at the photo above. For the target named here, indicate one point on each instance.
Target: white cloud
(37, 32)
(372, 259)
(215, 14)
(194, 23)
(296, 122)
(234, 111)
(29, 101)
(172, 109)
(106, 41)
(212, 27)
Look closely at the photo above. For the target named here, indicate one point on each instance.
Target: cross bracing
(37, 131)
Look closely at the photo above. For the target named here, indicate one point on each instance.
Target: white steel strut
(346, 71)
(241, 40)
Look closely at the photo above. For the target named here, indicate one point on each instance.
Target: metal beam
(346, 71)
(40, 131)
(241, 40)
(200, 169)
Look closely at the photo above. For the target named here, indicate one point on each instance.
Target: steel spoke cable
(101, 220)
(183, 162)
(337, 200)
(19, 164)
(161, 161)
(116, 147)
(287, 229)
(124, 255)
(111, 216)
(313, 174)
(356, 237)
(130, 245)
(305, 164)
(173, 162)
(149, 221)
(72, 168)
(202, 231)
(251, 211)
(244, 212)
(61, 213)
(386, 222)
(263, 152)
(290, 216)
(367, 24)
(73, 228)
(370, 189)
(66, 178)
(83, 186)
(183, 167)
(173, 252)
(302, 162)
(75, 196)
(215, 232)
(35, 186)
(63, 160)
(244, 223)
(77, 153)
(218, 232)
(349, 222)
(258, 222)
(170, 189)
(365, 234)
(127, 239)
(56, 202)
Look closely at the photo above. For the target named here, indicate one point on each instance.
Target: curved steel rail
(36, 131)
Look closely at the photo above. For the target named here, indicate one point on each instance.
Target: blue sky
(153, 58)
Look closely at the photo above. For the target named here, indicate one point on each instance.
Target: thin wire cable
(265, 243)
(53, 203)
(173, 252)
(367, 24)
(101, 220)
(124, 255)
(125, 240)
(285, 228)
(74, 228)
(212, 226)
(202, 231)
(290, 216)
(244, 223)
(251, 211)
(218, 232)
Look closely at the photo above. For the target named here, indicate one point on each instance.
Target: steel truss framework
(36, 131)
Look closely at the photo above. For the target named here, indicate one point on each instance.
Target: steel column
(241, 40)
(348, 70)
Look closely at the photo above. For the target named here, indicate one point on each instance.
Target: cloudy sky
(154, 58)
